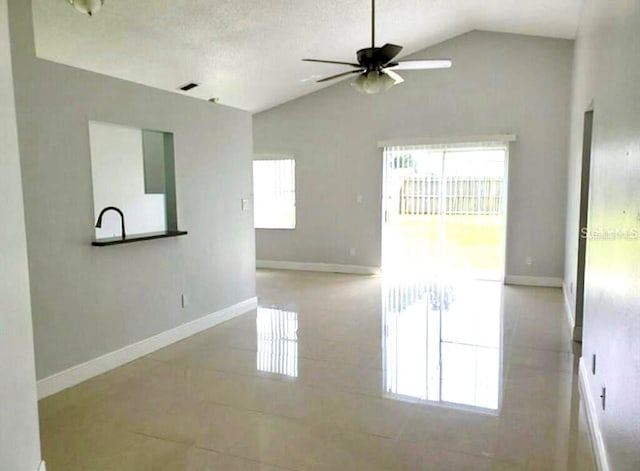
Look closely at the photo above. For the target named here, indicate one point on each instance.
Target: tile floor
(342, 373)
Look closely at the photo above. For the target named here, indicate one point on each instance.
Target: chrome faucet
(111, 208)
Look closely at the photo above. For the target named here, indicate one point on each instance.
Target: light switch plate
(245, 204)
(185, 300)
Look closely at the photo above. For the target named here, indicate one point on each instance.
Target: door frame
(583, 220)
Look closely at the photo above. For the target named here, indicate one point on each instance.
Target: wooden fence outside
(421, 195)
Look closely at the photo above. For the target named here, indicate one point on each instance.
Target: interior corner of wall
(567, 297)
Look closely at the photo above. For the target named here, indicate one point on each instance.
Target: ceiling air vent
(188, 86)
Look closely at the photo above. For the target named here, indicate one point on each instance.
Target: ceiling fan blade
(326, 79)
(352, 64)
(421, 65)
(388, 52)
(396, 78)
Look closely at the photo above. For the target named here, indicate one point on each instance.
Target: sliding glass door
(444, 210)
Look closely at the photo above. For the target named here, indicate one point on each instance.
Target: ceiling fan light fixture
(386, 81)
(373, 82)
(88, 7)
(359, 82)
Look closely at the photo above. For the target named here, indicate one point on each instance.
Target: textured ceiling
(247, 52)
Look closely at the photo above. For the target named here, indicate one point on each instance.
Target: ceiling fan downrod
(373, 23)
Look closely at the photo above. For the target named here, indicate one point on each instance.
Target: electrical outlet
(528, 260)
(593, 363)
(352, 252)
(186, 300)
(359, 199)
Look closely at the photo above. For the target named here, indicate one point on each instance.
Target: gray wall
(90, 301)
(500, 83)
(19, 440)
(155, 161)
(607, 72)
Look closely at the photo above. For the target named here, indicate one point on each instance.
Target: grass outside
(457, 242)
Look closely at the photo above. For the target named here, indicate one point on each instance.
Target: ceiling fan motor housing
(373, 58)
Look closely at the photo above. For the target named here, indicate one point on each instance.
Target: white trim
(505, 211)
(82, 372)
(273, 156)
(430, 141)
(595, 432)
(321, 267)
(544, 281)
(43, 466)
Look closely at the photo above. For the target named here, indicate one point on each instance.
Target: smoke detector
(88, 7)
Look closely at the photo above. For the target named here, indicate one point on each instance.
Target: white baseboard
(322, 267)
(43, 466)
(595, 432)
(543, 281)
(82, 372)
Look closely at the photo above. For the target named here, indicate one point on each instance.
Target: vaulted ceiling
(247, 52)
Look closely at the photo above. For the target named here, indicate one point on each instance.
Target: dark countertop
(136, 238)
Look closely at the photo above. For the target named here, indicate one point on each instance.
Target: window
(274, 194)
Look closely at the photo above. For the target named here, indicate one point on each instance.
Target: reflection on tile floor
(277, 332)
(443, 342)
(342, 373)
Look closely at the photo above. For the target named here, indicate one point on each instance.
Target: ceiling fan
(376, 67)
